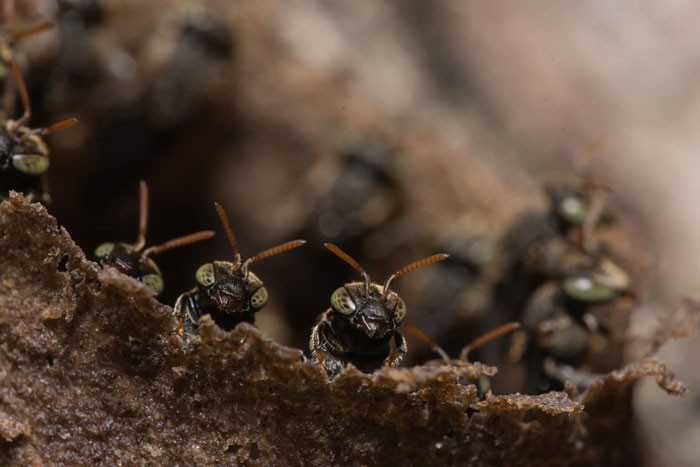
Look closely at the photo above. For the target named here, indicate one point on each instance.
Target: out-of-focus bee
(572, 289)
(365, 195)
(456, 294)
(24, 156)
(363, 320)
(78, 61)
(540, 246)
(135, 259)
(227, 291)
(202, 41)
(567, 325)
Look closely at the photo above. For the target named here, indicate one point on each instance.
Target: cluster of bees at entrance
(564, 273)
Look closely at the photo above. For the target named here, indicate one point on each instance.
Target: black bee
(365, 195)
(227, 291)
(564, 286)
(204, 42)
(363, 320)
(80, 61)
(537, 242)
(134, 260)
(456, 294)
(24, 156)
(541, 246)
(564, 323)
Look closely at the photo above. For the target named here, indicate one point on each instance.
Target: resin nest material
(92, 373)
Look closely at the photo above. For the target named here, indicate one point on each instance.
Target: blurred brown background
(252, 103)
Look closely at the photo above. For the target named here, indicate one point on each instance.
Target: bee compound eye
(30, 164)
(342, 302)
(153, 282)
(104, 250)
(400, 310)
(573, 209)
(259, 298)
(205, 275)
(585, 289)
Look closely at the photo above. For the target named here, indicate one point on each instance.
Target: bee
(564, 285)
(24, 156)
(363, 320)
(227, 291)
(483, 383)
(203, 43)
(456, 294)
(562, 323)
(365, 195)
(134, 260)
(78, 60)
(544, 246)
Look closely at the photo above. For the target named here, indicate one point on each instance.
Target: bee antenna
(230, 234)
(58, 126)
(335, 249)
(421, 263)
(23, 92)
(423, 337)
(487, 338)
(36, 29)
(179, 242)
(276, 250)
(143, 216)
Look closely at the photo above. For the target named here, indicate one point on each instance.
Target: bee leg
(399, 351)
(320, 347)
(185, 312)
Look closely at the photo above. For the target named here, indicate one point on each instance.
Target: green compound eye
(259, 298)
(30, 164)
(104, 250)
(584, 289)
(573, 209)
(342, 302)
(400, 311)
(153, 282)
(205, 275)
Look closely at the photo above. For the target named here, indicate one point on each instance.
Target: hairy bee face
(369, 311)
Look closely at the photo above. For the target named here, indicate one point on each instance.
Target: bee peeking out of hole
(24, 156)
(363, 319)
(227, 291)
(135, 259)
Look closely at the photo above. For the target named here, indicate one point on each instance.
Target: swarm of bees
(568, 275)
